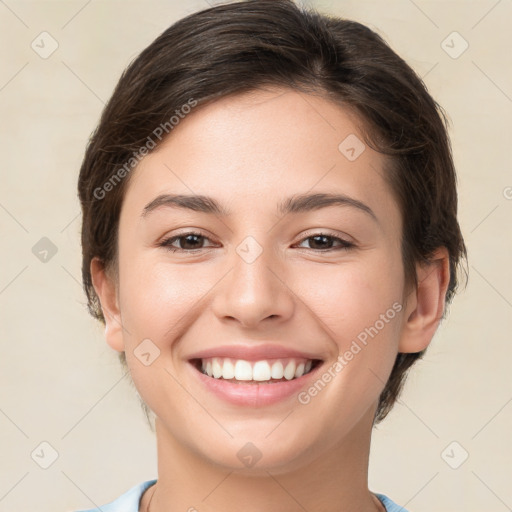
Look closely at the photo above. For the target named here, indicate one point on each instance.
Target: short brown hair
(241, 46)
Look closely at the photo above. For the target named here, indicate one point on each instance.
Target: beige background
(61, 383)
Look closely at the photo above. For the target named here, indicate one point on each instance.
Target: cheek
(159, 302)
(359, 305)
(159, 299)
(352, 296)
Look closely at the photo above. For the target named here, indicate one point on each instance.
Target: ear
(105, 287)
(425, 304)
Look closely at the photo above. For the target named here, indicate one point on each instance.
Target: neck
(334, 481)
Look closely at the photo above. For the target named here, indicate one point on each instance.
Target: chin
(252, 453)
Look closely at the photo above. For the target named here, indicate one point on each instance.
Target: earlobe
(426, 303)
(105, 288)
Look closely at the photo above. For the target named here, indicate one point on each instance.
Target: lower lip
(251, 393)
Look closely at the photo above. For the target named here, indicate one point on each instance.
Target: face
(255, 314)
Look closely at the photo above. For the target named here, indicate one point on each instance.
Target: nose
(254, 292)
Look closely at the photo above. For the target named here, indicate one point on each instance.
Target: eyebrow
(294, 204)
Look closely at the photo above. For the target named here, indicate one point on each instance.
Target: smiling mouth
(265, 371)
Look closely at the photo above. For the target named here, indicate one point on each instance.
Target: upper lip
(253, 352)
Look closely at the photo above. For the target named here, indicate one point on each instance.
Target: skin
(250, 152)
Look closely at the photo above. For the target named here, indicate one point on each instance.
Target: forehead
(254, 149)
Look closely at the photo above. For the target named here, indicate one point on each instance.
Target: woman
(270, 237)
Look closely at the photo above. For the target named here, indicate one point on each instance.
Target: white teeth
(259, 371)
(243, 370)
(216, 368)
(299, 372)
(228, 370)
(289, 371)
(277, 370)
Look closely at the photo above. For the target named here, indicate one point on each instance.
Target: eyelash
(345, 245)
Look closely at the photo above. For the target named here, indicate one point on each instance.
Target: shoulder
(127, 502)
(391, 506)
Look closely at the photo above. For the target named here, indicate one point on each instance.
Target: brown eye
(325, 242)
(187, 242)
